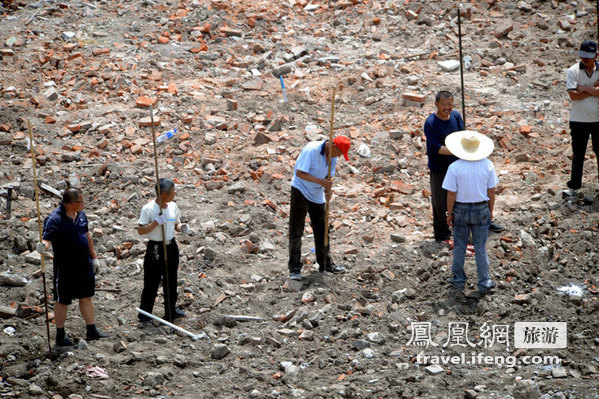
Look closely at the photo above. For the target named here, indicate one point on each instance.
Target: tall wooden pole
(326, 216)
(167, 300)
(39, 225)
(462, 63)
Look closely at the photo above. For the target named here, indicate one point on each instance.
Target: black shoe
(336, 269)
(496, 228)
(177, 314)
(94, 334)
(442, 239)
(64, 341)
(143, 318)
(297, 276)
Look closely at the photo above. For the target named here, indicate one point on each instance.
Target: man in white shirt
(581, 81)
(150, 220)
(470, 183)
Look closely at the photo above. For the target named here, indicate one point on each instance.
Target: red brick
(411, 15)
(231, 32)
(135, 149)
(525, 130)
(411, 96)
(100, 51)
(74, 127)
(146, 102)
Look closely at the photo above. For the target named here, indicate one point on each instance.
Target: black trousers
(439, 202)
(299, 207)
(154, 272)
(580, 132)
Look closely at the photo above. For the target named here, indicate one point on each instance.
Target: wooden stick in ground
(326, 216)
(461, 63)
(39, 225)
(167, 300)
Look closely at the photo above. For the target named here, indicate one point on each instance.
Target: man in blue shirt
(309, 189)
(75, 263)
(437, 127)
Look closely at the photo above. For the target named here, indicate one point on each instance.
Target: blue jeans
(475, 219)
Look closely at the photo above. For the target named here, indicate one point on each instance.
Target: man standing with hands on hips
(470, 183)
(149, 223)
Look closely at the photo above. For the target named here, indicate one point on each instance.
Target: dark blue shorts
(65, 290)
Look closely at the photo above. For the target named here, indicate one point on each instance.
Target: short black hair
(166, 185)
(71, 195)
(443, 94)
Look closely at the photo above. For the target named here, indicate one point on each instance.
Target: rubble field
(85, 74)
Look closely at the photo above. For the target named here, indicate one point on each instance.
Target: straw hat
(469, 145)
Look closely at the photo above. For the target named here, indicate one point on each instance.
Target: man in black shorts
(75, 263)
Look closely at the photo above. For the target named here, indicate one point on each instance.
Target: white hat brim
(453, 142)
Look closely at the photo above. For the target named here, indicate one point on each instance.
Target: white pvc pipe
(171, 325)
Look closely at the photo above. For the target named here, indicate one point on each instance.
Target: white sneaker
(570, 192)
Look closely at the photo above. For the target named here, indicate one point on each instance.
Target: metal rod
(167, 300)
(245, 318)
(195, 337)
(462, 63)
(326, 216)
(8, 201)
(285, 95)
(39, 226)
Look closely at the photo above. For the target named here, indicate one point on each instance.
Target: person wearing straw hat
(438, 125)
(470, 183)
(581, 81)
(309, 189)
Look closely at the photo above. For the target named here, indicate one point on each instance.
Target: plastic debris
(572, 290)
(364, 151)
(10, 331)
(95, 372)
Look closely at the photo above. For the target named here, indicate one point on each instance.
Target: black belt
(472, 203)
(169, 242)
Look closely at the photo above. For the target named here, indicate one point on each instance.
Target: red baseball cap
(343, 144)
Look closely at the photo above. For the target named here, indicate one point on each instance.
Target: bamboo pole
(462, 63)
(39, 225)
(326, 217)
(167, 300)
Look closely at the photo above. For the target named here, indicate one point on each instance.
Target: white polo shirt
(587, 109)
(151, 210)
(470, 179)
